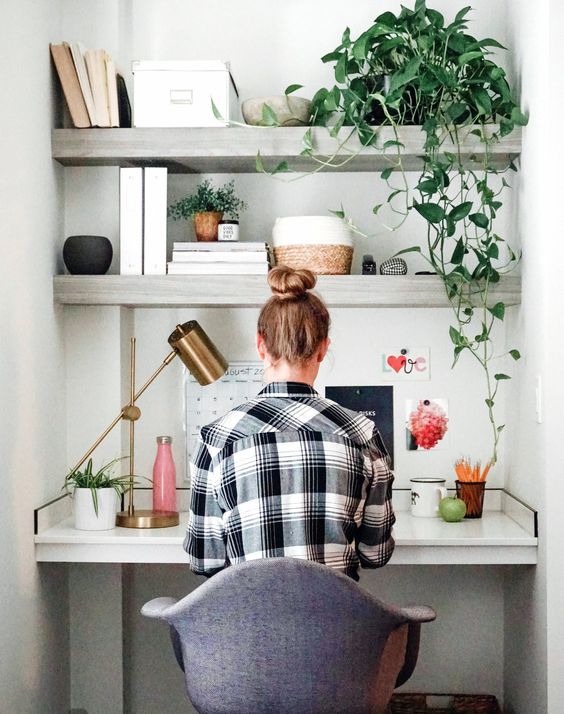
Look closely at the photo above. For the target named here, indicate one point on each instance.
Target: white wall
(534, 620)
(34, 647)
(271, 47)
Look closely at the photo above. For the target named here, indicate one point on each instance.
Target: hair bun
(289, 283)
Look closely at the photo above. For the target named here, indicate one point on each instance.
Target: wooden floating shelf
(425, 291)
(234, 149)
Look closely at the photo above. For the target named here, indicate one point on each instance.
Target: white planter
(85, 518)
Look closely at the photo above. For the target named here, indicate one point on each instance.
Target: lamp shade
(198, 352)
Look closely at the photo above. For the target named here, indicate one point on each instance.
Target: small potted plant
(207, 206)
(95, 496)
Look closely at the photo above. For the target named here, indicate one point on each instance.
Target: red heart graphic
(396, 363)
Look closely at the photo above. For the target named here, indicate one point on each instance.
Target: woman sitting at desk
(289, 473)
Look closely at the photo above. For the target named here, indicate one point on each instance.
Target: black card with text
(376, 403)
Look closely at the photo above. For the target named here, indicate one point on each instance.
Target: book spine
(186, 256)
(112, 91)
(154, 221)
(131, 221)
(217, 269)
(223, 246)
(68, 77)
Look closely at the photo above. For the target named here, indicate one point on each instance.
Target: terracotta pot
(205, 225)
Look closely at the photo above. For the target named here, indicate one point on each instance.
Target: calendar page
(202, 405)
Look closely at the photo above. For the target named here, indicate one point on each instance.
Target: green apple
(452, 509)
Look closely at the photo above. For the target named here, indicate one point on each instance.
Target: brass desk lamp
(207, 364)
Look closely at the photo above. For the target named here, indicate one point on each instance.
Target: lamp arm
(168, 359)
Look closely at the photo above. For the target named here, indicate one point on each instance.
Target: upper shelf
(253, 291)
(234, 149)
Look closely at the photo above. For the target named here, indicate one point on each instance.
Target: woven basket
(467, 703)
(320, 259)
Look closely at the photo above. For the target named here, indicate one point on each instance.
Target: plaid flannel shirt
(290, 474)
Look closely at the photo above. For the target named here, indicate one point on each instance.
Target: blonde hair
(294, 321)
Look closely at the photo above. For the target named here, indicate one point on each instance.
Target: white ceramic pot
(85, 518)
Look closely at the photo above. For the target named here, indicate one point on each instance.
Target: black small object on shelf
(368, 265)
(87, 255)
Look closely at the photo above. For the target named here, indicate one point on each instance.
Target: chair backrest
(283, 635)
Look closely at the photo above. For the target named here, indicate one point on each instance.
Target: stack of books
(223, 258)
(95, 93)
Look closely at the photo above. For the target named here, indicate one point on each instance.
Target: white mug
(426, 493)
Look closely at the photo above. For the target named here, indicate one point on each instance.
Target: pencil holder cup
(472, 493)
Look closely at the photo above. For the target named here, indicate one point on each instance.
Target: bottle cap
(164, 439)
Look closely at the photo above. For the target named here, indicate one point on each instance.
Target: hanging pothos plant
(415, 69)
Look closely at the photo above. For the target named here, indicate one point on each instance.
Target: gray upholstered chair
(283, 635)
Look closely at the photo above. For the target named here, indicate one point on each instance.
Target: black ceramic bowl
(87, 255)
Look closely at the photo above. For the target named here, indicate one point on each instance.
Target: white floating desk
(504, 536)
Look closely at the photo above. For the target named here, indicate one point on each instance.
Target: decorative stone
(87, 255)
(393, 266)
(289, 110)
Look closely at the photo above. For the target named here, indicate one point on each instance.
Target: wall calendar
(202, 405)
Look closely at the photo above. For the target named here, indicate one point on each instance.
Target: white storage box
(180, 93)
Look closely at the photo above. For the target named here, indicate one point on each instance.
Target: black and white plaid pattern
(394, 266)
(290, 474)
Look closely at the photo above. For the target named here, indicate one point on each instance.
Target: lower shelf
(425, 291)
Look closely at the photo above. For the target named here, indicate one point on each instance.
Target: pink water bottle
(164, 476)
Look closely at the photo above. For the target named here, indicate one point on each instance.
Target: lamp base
(147, 519)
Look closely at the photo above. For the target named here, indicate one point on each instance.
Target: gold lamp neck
(198, 352)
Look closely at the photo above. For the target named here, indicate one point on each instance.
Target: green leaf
(376, 208)
(259, 166)
(489, 402)
(428, 186)
(497, 73)
(517, 117)
(292, 88)
(413, 249)
(455, 336)
(333, 133)
(482, 100)
(456, 110)
(339, 214)
(479, 219)
(386, 173)
(493, 251)
(489, 42)
(331, 56)
(505, 127)
(359, 47)
(281, 168)
(458, 253)
(498, 310)
(500, 428)
(217, 114)
(500, 376)
(409, 72)
(307, 141)
(391, 142)
(341, 69)
(461, 211)
(269, 117)
(469, 56)
(461, 14)
(515, 354)
(431, 212)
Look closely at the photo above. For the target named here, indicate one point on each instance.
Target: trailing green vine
(415, 69)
